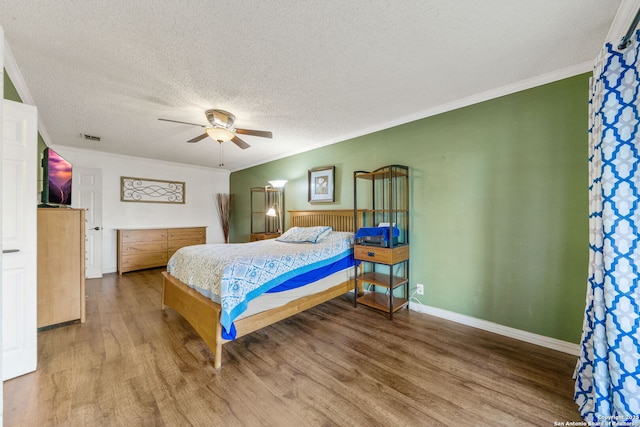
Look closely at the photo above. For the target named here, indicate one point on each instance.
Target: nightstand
(382, 241)
(253, 237)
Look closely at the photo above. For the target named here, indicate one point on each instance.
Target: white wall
(200, 208)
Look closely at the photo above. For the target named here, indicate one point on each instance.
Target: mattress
(269, 301)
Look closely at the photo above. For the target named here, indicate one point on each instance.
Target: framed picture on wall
(321, 187)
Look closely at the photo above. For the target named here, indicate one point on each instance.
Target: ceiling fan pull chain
(221, 160)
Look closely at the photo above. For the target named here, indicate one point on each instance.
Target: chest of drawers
(152, 247)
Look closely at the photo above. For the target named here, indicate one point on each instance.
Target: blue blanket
(314, 275)
(234, 274)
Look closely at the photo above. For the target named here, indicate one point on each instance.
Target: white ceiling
(312, 72)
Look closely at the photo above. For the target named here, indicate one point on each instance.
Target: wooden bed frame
(204, 314)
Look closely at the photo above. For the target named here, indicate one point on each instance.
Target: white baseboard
(541, 340)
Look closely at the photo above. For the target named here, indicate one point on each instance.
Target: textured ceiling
(312, 72)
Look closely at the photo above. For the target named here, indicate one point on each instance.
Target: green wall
(499, 209)
(10, 91)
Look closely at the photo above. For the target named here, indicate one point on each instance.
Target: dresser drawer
(139, 261)
(150, 235)
(174, 245)
(134, 248)
(381, 255)
(187, 233)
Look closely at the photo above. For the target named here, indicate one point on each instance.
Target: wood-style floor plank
(133, 364)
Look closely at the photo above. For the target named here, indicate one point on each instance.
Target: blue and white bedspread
(236, 273)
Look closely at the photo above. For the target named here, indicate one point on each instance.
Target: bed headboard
(340, 219)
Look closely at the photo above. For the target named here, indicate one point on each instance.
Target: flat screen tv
(56, 189)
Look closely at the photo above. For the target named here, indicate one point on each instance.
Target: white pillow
(305, 234)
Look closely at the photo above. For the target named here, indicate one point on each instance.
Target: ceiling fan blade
(199, 138)
(262, 133)
(240, 143)
(184, 123)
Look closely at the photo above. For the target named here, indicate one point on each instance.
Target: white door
(19, 244)
(86, 193)
(1, 180)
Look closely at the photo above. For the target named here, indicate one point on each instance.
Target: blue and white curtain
(607, 375)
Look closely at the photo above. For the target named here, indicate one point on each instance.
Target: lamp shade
(220, 134)
(271, 212)
(278, 183)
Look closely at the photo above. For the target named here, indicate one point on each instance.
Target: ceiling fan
(221, 128)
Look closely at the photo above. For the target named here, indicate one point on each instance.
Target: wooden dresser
(140, 248)
(61, 266)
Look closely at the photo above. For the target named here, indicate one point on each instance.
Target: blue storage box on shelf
(377, 236)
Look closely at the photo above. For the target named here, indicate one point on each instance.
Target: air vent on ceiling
(90, 137)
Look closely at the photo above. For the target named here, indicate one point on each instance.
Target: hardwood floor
(133, 364)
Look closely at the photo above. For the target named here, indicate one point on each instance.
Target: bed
(207, 317)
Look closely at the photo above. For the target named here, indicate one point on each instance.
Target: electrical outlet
(420, 289)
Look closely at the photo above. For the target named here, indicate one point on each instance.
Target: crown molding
(621, 22)
(540, 80)
(64, 149)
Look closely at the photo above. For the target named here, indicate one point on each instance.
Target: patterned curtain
(607, 387)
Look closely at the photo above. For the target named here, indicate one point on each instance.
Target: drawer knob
(371, 254)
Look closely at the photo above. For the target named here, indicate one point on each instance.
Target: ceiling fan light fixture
(220, 118)
(221, 129)
(220, 134)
